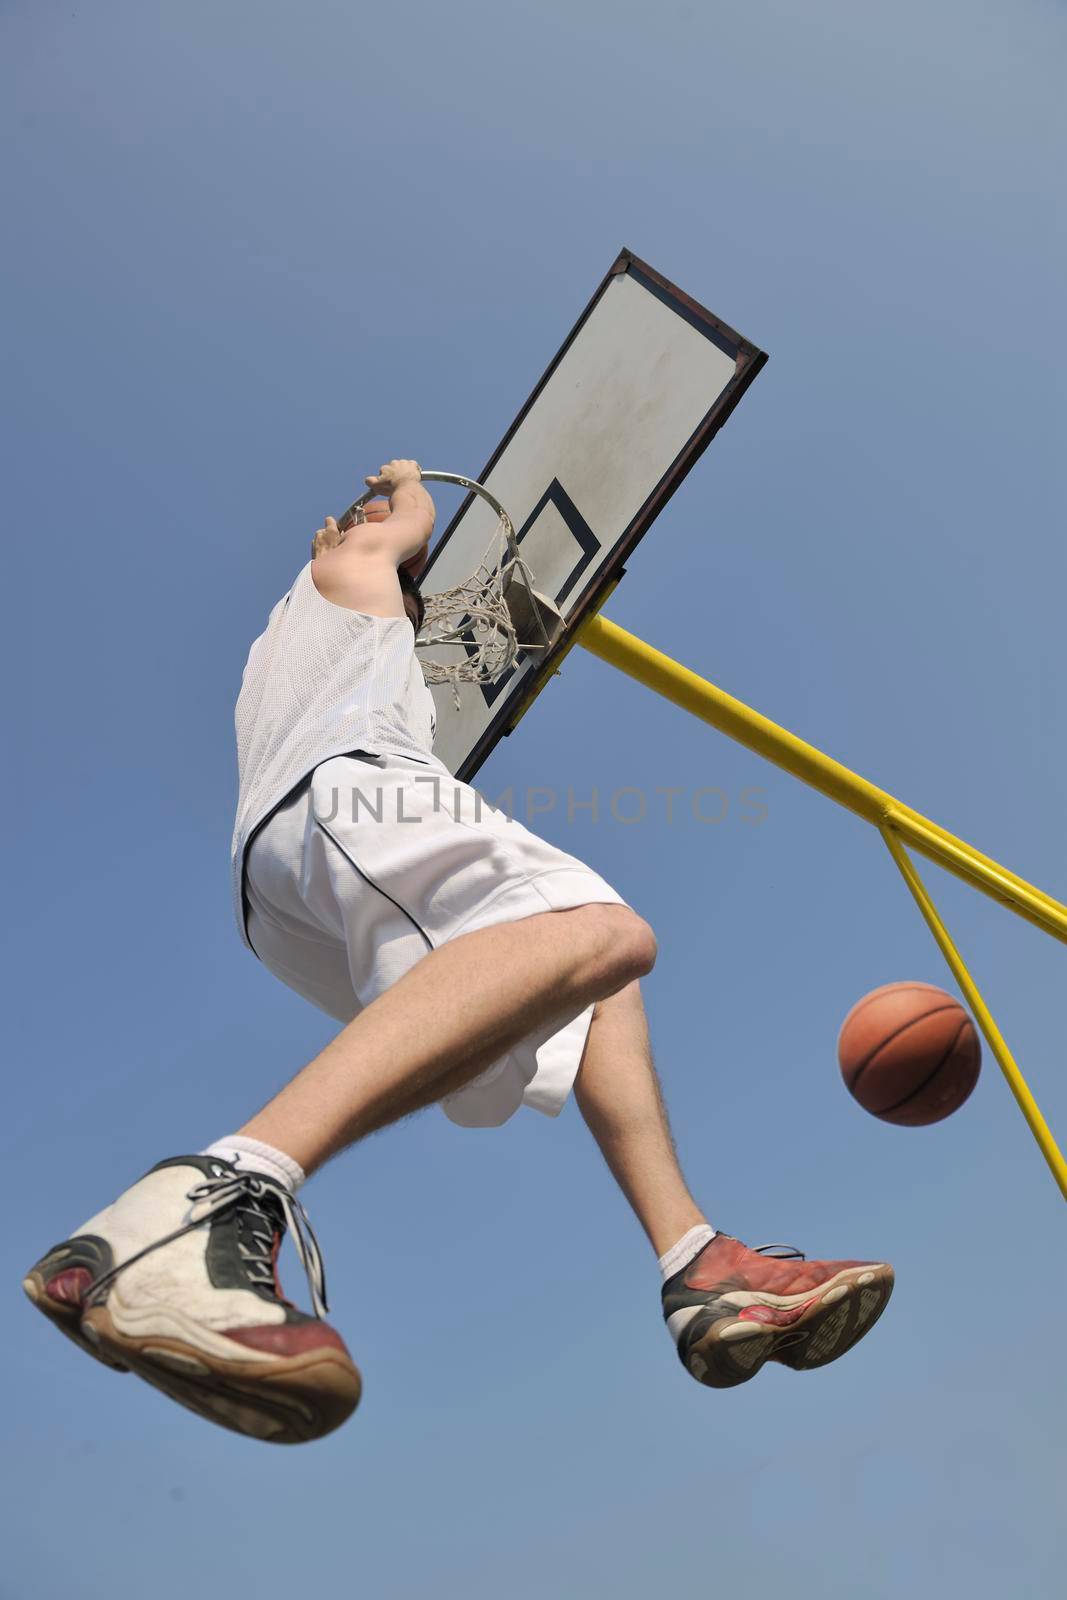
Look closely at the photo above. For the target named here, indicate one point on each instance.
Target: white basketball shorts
(377, 860)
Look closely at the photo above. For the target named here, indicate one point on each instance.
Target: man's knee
(642, 946)
(630, 944)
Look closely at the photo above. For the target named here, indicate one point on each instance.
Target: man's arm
(407, 528)
(403, 534)
(358, 568)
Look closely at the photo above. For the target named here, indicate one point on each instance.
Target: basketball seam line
(912, 1022)
(914, 986)
(965, 1023)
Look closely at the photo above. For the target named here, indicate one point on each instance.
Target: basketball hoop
(488, 618)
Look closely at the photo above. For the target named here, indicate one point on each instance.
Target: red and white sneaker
(731, 1309)
(177, 1282)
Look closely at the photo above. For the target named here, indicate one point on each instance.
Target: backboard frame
(748, 359)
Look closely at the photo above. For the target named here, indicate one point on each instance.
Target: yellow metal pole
(1016, 1082)
(978, 870)
(756, 732)
(893, 819)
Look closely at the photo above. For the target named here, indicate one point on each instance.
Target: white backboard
(640, 387)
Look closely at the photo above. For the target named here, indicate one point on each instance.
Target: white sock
(252, 1155)
(689, 1245)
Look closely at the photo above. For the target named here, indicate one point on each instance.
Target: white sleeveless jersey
(321, 681)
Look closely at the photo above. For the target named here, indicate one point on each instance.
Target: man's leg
(619, 1096)
(729, 1309)
(177, 1278)
(448, 1019)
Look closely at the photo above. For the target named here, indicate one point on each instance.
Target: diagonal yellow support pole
(756, 732)
(994, 1038)
(892, 817)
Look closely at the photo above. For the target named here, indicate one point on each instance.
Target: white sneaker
(177, 1281)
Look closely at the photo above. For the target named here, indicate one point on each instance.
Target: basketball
(909, 1053)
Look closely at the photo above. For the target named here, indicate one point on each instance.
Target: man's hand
(330, 535)
(327, 538)
(392, 475)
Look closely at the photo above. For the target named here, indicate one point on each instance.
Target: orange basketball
(909, 1053)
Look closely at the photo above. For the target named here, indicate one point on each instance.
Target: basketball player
(472, 965)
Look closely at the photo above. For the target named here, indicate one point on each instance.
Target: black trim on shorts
(356, 755)
(291, 794)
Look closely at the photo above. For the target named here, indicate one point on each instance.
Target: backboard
(638, 390)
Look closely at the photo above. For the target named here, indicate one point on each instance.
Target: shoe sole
(836, 1316)
(291, 1400)
(833, 1329)
(62, 1315)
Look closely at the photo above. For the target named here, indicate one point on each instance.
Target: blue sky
(253, 251)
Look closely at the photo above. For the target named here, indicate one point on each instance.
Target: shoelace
(228, 1191)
